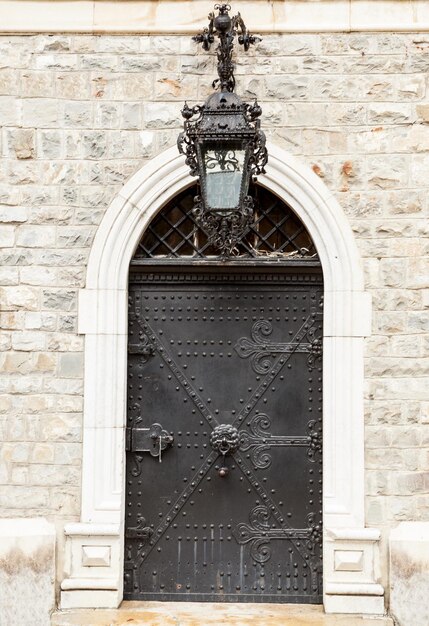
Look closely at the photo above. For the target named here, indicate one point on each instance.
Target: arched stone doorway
(225, 387)
(94, 547)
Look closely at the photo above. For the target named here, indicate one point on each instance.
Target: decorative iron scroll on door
(259, 441)
(260, 531)
(262, 352)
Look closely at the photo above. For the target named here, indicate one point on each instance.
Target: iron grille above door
(277, 233)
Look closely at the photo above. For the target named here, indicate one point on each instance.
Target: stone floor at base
(208, 614)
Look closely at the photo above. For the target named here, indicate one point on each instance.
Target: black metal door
(224, 461)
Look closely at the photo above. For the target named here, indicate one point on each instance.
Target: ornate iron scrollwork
(145, 348)
(260, 531)
(316, 348)
(141, 531)
(315, 444)
(259, 441)
(315, 537)
(226, 28)
(224, 230)
(262, 352)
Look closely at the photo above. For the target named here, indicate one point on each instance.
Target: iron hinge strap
(128, 432)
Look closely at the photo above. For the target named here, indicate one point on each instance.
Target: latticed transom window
(276, 233)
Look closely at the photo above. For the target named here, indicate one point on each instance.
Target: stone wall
(81, 113)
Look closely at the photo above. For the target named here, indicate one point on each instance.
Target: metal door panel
(242, 350)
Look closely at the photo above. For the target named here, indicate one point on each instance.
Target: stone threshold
(211, 614)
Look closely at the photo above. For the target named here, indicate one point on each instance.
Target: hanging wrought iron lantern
(222, 141)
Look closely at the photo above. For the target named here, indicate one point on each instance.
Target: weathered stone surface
(21, 143)
(27, 569)
(409, 573)
(78, 114)
(9, 276)
(13, 214)
(36, 84)
(399, 388)
(382, 177)
(5, 341)
(67, 323)
(38, 275)
(146, 143)
(63, 300)
(13, 298)
(422, 111)
(131, 115)
(406, 346)
(392, 272)
(71, 365)
(418, 273)
(35, 236)
(40, 113)
(7, 236)
(161, 115)
(10, 114)
(62, 427)
(28, 341)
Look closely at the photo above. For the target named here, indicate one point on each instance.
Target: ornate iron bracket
(226, 28)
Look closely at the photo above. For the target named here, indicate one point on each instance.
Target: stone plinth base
(93, 567)
(27, 572)
(367, 605)
(352, 571)
(409, 574)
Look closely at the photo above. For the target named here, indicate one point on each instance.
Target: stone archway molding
(94, 546)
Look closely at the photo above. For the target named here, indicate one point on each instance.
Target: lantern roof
(223, 116)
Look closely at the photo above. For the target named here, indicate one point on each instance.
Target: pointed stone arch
(103, 320)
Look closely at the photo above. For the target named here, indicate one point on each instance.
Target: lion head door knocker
(225, 440)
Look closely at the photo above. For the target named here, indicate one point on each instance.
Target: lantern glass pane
(223, 164)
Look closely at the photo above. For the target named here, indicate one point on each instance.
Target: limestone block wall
(81, 113)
